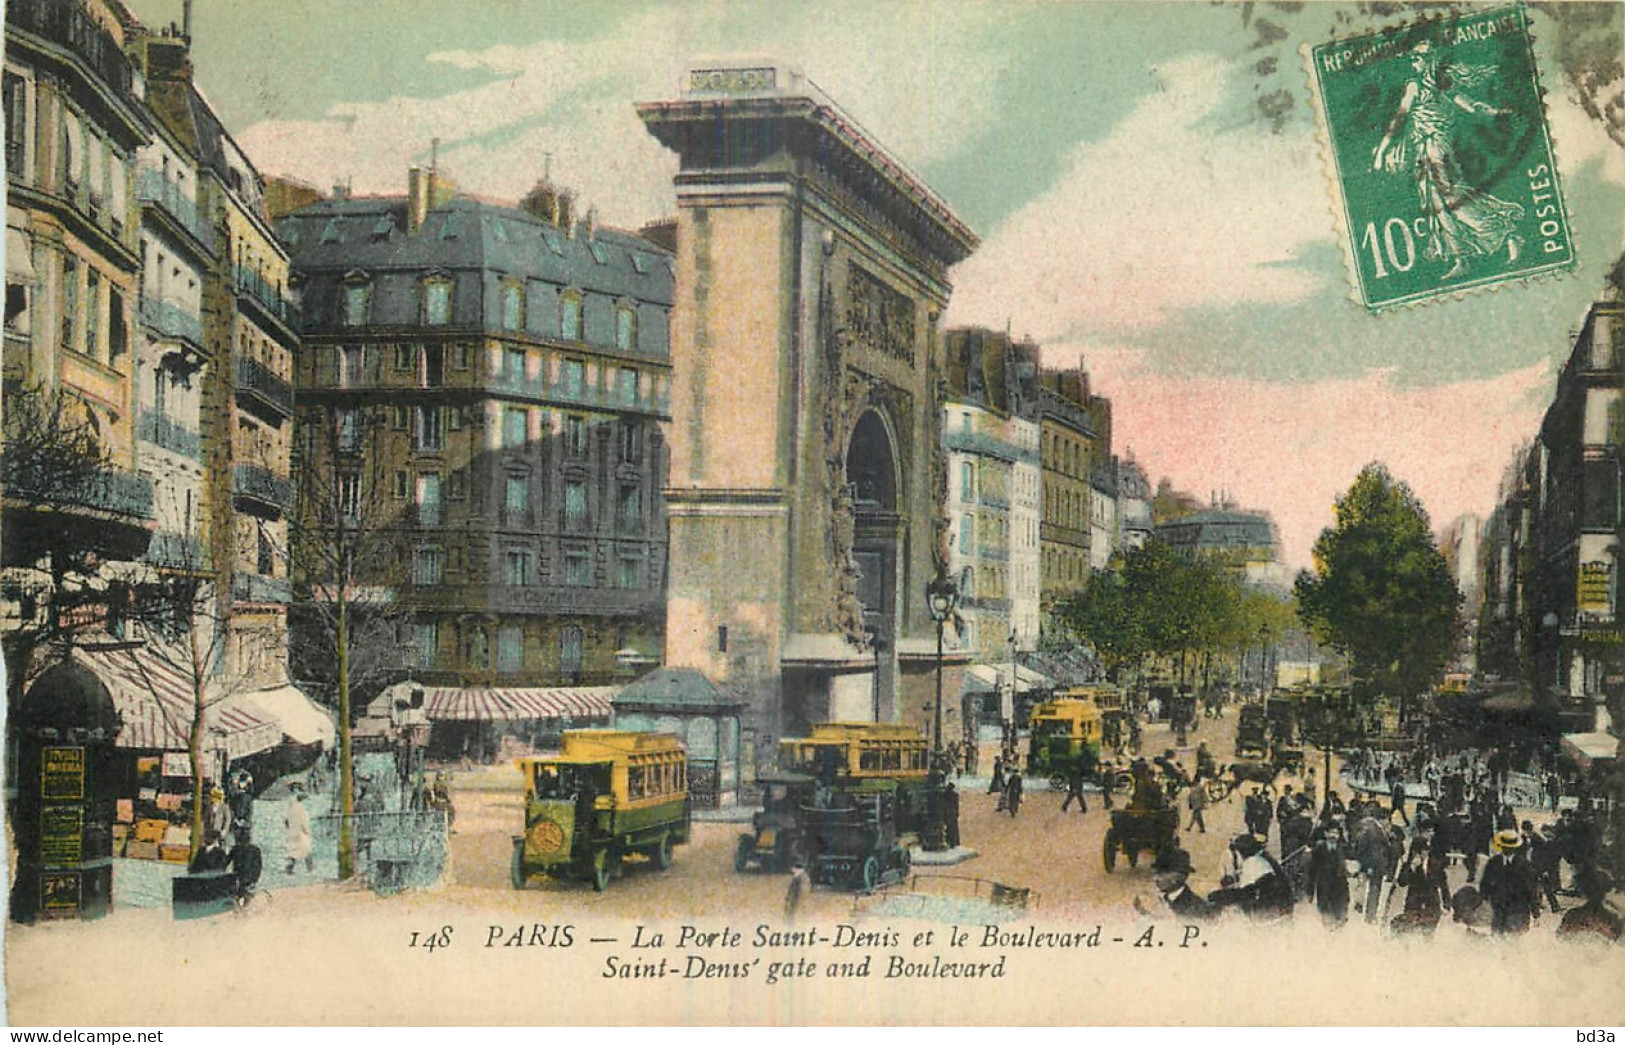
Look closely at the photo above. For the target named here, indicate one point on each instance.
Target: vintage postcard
(538, 513)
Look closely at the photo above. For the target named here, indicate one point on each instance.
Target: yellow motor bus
(854, 752)
(607, 794)
(1064, 738)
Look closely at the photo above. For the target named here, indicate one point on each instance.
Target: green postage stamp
(1442, 157)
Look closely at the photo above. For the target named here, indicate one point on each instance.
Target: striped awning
(450, 704)
(155, 704)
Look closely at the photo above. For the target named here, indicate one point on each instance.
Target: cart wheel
(905, 859)
(516, 870)
(871, 873)
(601, 871)
(1108, 852)
(743, 853)
(1056, 781)
(661, 853)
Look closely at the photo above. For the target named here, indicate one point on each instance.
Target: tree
(1381, 592)
(346, 572)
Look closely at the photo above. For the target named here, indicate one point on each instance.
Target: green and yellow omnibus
(1064, 737)
(607, 794)
(862, 758)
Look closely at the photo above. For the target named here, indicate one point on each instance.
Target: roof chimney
(542, 201)
(567, 211)
(186, 20)
(417, 199)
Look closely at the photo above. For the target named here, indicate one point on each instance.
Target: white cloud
(1166, 212)
(908, 76)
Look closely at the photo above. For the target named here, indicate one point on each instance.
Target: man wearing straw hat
(1510, 885)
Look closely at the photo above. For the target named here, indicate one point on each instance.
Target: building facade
(1071, 445)
(1245, 541)
(1134, 505)
(806, 471)
(485, 385)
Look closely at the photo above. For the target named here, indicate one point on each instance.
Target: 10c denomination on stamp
(1442, 157)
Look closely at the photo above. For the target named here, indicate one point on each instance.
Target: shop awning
(450, 704)
(987, 678)
(1589, 748)
(155, 704)
(303, 721)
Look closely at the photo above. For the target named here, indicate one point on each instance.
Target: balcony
(116, 493)
(68, 26)
(152, 187)
(258, 484)
(172, 321)
(257, 380)
(176, 551)
(269, 300)
(163, 432)
(505, 380)
(251, 587)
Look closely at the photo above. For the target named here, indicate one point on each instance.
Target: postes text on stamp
(1438, 138)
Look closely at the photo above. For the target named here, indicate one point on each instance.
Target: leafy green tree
(1381, 592)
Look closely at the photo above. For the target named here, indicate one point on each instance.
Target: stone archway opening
(872, 476)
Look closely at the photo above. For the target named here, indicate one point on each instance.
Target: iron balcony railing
(152, 187)
(119, 493)
(253, 285)
(257, 378)
(68, 25)
(170, 320)
(177, 551)
(506, 380)
(252, 481)
(161, 431)
(251, 587)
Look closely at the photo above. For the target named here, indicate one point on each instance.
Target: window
(570, 317)
(16, 102)
(577, 569)
(426, 564)
(513, 307)
(349, 496)
(400, 486)
(381, 230)
(17, 308)
(432, 366)
(967, 533)
(570, 651)
(457, 485)
(406, 357)
(513, 366)
(626, 328)
(629, 508)
(517, 496)
(626, 385)
(967, 481)
(357, 296)
(630, 444)
(352, 361)
(428, 499)
(70, 304)
(428, 643)
(515, 424)
(572, 376)
(437, 302)
(575, 504)
(348, 422)
(629, 572)
(428, 430)
(575, 435)
(333, 231)
(517, 566)
(511, 648)
(118, 337)
(93, 313)
(265, 560)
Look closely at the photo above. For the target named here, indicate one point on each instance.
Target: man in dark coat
(1074, 789)
(1509, 886)
(995, 786)
(1169, 872)
(1371, 848)
(1328, 876)
(1012, 793)
(950, 813)
(1427, 893)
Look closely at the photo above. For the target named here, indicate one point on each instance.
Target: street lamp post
(940, 596)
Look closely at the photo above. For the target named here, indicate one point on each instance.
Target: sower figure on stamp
(1462, 220)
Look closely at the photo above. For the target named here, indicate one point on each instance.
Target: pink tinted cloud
(1291, 449)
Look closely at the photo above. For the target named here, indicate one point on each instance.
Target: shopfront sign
(62, 774)
(62, 834)
(1593, 597)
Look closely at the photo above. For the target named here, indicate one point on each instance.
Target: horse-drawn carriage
(1252, 732)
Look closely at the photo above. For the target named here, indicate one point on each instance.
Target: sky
(1146, 180)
